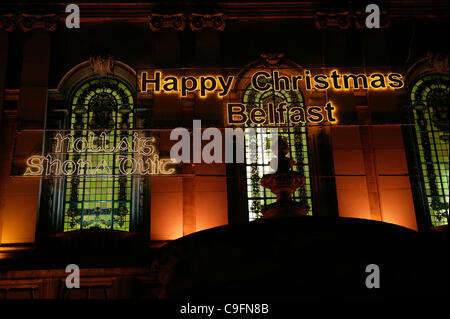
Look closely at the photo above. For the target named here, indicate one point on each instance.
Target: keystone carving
(102, 65)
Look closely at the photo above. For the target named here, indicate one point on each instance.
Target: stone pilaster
(189, 207)
(32, 105)
(7, 24)
(366, 135)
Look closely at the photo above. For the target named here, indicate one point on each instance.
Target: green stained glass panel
(258, 151)
(430, 98)
(99, 198)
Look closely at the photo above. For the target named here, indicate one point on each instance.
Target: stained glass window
(101, 110)
(258, 149)
(430, 98)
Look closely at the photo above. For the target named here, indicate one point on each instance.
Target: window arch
(258, 156)
(430, 98)
(91, 200)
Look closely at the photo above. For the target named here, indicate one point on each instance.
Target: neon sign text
(145, 159)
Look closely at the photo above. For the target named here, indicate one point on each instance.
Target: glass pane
(102, 111)
(258, 150)
(430, 98)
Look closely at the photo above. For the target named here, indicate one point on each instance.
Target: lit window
(259, 155)
(91, 200)
(430, 98)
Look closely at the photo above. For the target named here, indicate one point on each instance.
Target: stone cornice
(241, 11)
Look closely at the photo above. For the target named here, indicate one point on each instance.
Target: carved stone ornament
(207, 21)
(102, 65)
(438, 62)
(283, 183)
(272, 58)
(340, 20)
(160, 22)
(7, 22)
(30, 22)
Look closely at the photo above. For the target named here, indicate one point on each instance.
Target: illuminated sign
(185, 84)
(147, 161)
(126, 154)
(280, 114)
(262, 81)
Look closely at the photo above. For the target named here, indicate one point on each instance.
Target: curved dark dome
(303, 257)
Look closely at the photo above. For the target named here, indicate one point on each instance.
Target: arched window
(258, 156)
(430, 98)
(101, 110)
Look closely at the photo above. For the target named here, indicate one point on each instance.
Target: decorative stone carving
(434, 62)
(340, 20)
(207, 21)
(7, 22)
(272, 58)
(30, 22)
(438, 62)
(343, 20)
(283, 183)
(160, 22)
(102, 65)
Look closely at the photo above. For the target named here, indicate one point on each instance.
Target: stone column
(366, 135)
(207, 46)
(167, 38)
(168, 54)
(6, 25)
(323, 181)
(32, 104)
(189, 207)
